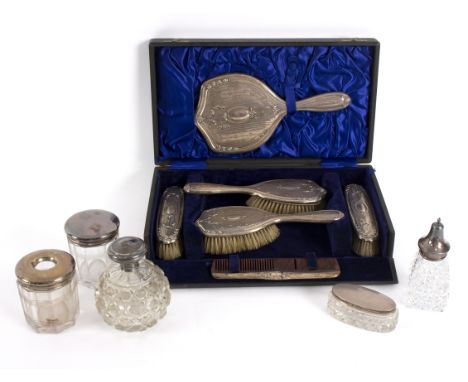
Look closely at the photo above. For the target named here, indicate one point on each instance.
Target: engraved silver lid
(433, 246)
(92, 227)
(31, 273)
(127, 250)
(365, 299)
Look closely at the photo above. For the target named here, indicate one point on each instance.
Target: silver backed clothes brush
(280, 196)
(169, 223)
(237, 113)
(240, 228)
(365, 229)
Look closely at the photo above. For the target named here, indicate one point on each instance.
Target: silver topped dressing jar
(429, 280)
(132, 293)
(89, 233)
(48, 290)
(362, 307)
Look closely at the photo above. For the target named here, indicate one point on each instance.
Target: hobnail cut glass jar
(132, 293)
(89, 234)
(48, 290)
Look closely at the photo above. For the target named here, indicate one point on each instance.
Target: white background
(76, 133)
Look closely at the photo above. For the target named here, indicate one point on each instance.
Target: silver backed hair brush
(281, 196)
(169, 223)
(239, 228)
(365, 229)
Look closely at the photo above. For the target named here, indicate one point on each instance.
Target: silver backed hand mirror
(238, 113)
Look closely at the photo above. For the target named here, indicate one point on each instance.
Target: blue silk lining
(293, 73)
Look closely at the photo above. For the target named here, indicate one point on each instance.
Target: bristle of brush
(169, 251)
(365, 248)
(277, 207)
(225, 245)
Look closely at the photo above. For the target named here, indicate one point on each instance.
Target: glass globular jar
(48, 290)
(89, 234)
(429, 275)
(132, 293)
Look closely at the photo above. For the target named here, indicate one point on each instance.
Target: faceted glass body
(50, 311)
(90, 262)
(134, 298)
(429, 284)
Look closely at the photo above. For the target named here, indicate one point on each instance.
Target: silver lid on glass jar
(92, 227)
(433, 246)
(127, 250)
(364, 299)
(45, 270)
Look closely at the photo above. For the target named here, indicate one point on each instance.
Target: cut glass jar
(48, 290)
(89, 234)
(132, 293)
(429, 280)
(362, 307)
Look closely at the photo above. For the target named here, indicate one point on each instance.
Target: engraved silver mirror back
(237, 113)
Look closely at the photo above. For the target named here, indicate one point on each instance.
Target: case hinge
(338, 163)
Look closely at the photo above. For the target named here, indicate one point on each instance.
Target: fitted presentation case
(334, 149)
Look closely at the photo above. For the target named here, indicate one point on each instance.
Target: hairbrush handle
(324, 216)
(213, 188)
(324, 102)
